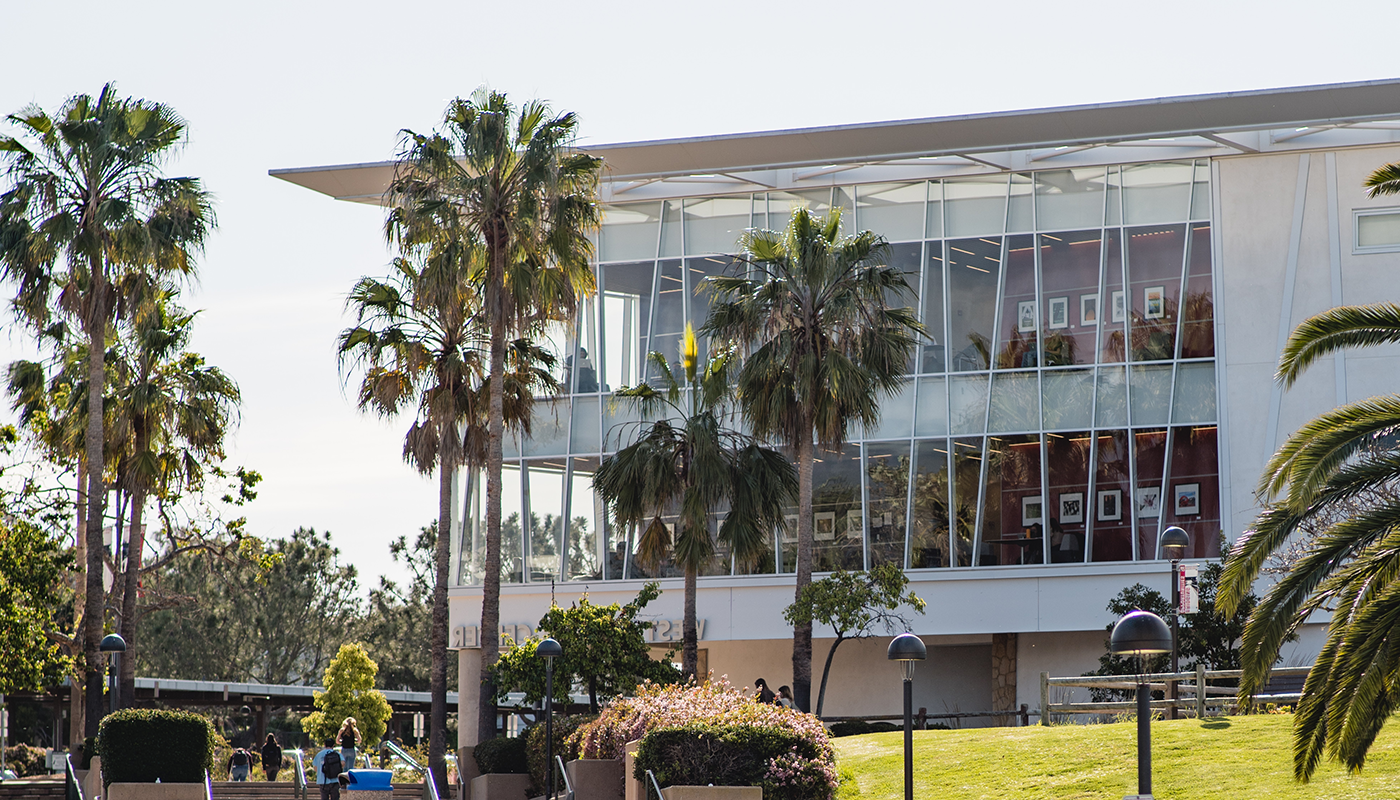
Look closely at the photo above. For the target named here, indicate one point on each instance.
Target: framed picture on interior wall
(1110, 505)
(855, 525)
(1154, 307)
(1120, 307)
(1032, 510)
(1188, 499)
(790, 529)
(1149, 501)
(1059, 312)
(1025, 316)
(1089, 309)
(824, 526)
(1071, 507)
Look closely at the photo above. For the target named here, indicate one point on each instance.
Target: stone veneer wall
(1004, 675)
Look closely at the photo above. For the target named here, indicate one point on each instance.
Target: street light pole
(908, 649)
(1174, 543)
(551, 650)
(1141, 633)
(113, 645)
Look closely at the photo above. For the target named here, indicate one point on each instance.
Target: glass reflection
(928, 538)
(887, 488)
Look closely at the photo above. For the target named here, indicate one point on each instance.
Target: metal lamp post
(1174, 542)
(908, 650)
(1142, 633)
(114, 645)
(551, 650)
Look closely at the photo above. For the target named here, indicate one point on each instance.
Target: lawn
(1229, 757)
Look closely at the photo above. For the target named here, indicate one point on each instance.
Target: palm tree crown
(816, 314)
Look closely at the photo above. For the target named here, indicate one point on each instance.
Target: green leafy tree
(350, 692)
(685, 461)
(1347, 458)
(89, 219)
(32, 569)
(507, 181)
(817, 314)
(605, 653)
(854, 604)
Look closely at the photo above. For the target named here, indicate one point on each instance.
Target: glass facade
(1061, 411)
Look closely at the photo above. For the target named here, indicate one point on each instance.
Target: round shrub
(501, 756)
(564, 727)
(26, 760)
(141, 745)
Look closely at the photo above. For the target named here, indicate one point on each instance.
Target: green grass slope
(1221, 758)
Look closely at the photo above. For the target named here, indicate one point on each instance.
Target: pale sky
(268, 85)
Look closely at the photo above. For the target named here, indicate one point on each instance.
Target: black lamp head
(549, 648)
(1174, 542)
(1140, 633)
(907, 647)
(112, 643)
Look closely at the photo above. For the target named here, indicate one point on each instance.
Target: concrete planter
(635, 789)
(158, 791)
(596, 778)
(92, 781)
(712, 793)
(500, 787)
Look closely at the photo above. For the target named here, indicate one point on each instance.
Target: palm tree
(824, 342)
(420, 345)
(508, 181)
(89, 217)
(1338, 474)
(685, 462)
(171, 414)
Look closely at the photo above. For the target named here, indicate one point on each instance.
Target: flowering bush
(803, 768)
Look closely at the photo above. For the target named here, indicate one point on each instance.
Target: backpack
(331, 765)
(240, 758)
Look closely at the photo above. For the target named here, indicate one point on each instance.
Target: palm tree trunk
(437, 731)
(96, 495)
(802, 632)
(137, 540)
(491, 569)
(75, 697)
(690, 642)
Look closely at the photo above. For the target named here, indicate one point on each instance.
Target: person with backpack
(240, 765)
(271, 757)
(328, 767)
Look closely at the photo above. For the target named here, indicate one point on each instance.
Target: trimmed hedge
(859, 727)
(729, 755)
(502, 756)
(564, 727)
(139, 745)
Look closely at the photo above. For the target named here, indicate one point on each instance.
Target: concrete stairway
(40, 788)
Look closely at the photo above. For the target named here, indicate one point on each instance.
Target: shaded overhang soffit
(1228, 121)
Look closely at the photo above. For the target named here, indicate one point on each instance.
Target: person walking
(785, 697)
(765, 695)
(271, 757)
(240, 764)
(327, 767)
(349, 737)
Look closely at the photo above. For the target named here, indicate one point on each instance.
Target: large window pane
(1194, 400)
(585, 546)
(549, 429)
(1015, 402)
(906, 258)
(544, 539)
(581, 365)
(887, 481)
(838, 524)
(696, 271)
(1020, 212)
(1067, 398)
(1151, 391)
(782, 204)
(1111, 537)
(934, 220)
(1200, 195)
(1113, 316)
(935, 347)
(973, 265)
(672, 224)
(928, 544)
(584, 431)
(512, 531)
(668, 314)
(1069, 269)
(931, 418)
(713, 224)
(629, 231)
(1198, 309)
(893, 210)
(967, 398)
(967, 480)
(1111, 402)
(975, 206)
(1194, 501)
(1067, 464)
(1155, 259)
(1013, 509)
(1069, 198)
(626, 301)
(1157, 192)
(1017, 345)
(896, 414)
(1151, 449)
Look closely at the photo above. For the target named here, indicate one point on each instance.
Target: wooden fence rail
(1204, 695)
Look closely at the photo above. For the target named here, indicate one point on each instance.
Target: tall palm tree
(684, 461)
(825, 342)
(90, 217)
(171, 413)
(1342, 469)
(419, 344)
(508, 180)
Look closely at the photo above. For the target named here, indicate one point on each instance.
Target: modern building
(1106, 290)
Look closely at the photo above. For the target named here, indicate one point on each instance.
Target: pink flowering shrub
(720, 705)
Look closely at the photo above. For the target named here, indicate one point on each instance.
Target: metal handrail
(568, 784)
(73, 787)
(659, 795)
(430, 791)
(300, 790)
(402, 755)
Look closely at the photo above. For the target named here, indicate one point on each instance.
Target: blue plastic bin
(370, 780)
